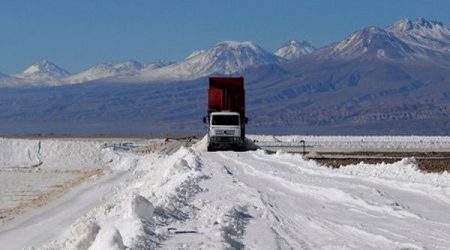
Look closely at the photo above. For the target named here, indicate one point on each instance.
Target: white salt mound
(87, 233)
(141, 208)
(108, 238)
(202, 145)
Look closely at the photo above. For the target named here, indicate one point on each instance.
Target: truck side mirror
(246, 120)
(204, 119)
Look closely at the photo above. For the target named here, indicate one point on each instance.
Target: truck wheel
(209, 149)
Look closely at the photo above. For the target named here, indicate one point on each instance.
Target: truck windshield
(225, 120)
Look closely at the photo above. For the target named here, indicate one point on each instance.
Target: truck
(226, 113)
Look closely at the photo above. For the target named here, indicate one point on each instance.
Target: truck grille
(224, 139)
(225, 132)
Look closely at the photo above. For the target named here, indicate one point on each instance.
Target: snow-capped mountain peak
(238, 45)
(419, 23)
(227, 45)
(295, 49)
(423, 34)
(103, 70)
(372, 41)
(43, 70)
(41, 73)
(127, 66)
(227, 57)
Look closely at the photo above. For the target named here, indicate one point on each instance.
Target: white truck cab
(224, 130)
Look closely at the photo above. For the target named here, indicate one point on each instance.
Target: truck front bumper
(225, 140)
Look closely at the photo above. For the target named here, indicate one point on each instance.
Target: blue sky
(76, 34)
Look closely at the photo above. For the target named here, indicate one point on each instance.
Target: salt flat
(178, 196)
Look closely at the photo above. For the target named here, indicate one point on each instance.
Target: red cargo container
(227, 94)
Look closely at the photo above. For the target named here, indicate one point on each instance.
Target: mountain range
(227, 57)
(393, 80)
(406, 39)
